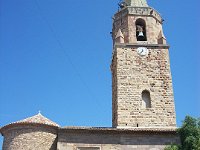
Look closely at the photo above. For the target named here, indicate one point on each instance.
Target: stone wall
(30, 137)
(114, 91)
(109, 140)
(133, 74)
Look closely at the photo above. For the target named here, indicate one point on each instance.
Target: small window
(141, 30)
(88, 148)
(146, 99)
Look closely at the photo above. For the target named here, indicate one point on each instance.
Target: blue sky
(55, 57)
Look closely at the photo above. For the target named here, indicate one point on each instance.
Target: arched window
(141, 30)
(146, 99)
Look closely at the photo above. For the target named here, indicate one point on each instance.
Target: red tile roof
(37, 119)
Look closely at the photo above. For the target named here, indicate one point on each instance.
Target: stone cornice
(111, 130)
(130, 45)
(139, 11)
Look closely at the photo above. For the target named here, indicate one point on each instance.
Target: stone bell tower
(142, 93)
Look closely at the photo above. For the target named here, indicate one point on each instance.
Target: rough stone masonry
(142, 95)
(133, 73)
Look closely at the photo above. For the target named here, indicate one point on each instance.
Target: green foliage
(172, 147)
(189, 135)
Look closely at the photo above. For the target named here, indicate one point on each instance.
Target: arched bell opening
(141, 30)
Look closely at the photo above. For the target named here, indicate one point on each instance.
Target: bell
(141, 34)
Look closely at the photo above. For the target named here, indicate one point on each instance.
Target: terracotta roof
(37, 119)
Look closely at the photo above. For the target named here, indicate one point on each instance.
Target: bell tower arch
(141, 30)
(142, 92)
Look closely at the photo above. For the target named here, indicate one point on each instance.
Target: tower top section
(138, 24)
(136, 3)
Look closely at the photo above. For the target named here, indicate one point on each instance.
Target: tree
(189, 135)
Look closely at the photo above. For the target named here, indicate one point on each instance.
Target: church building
(143, 109)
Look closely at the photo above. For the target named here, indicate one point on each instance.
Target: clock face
(143, 51)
